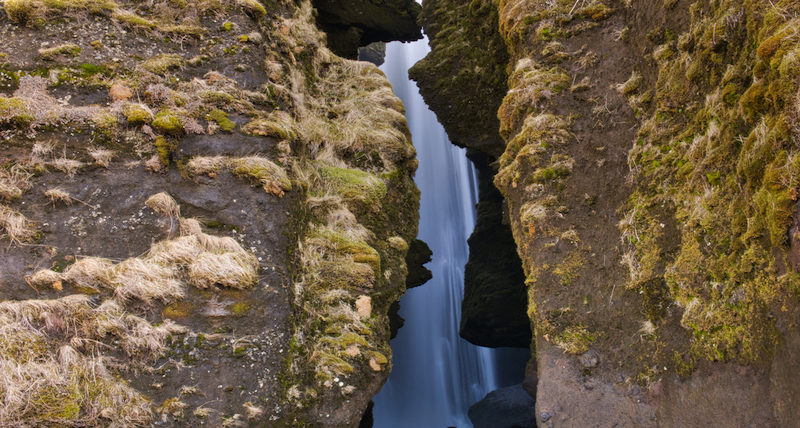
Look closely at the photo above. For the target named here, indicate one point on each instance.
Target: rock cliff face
(650, 173)
(205, 216)
(354, 23)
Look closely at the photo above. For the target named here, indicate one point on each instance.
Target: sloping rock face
(204, 215)
(649, 170)
(351, 24)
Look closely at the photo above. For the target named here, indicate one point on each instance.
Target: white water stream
(436, 374)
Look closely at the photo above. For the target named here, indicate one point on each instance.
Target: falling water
(436, 374)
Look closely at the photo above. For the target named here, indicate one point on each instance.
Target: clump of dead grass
(163, 204)
(102, 157)
(272, 177)
(208, 165)
(15, 226)
(14, 181)
(230, 269)
(52, 369)
(58, 195)
(193, 257)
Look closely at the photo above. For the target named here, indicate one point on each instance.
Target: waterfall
(436, 374)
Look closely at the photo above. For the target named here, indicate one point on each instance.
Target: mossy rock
(222, 119)
(137, 114)
(160, 64)
(15, 111)
(168, 122)
(354, 185)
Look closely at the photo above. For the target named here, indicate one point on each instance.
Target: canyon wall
(650, 173)
(204, 214)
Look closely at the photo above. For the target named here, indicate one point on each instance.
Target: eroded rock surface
(204, 212)
(649, 169)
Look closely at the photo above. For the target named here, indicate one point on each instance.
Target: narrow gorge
(213, 213)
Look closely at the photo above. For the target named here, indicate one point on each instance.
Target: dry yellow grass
(67, 166)
(58, 195)
(209, 165)
(15, 226)
(43, 278)
(194, 258)
(231, 269)
(163, 204)
(52, 370)
(146, 280)
(14, 182)
(272, 177)
(90, 272)
(101, 157)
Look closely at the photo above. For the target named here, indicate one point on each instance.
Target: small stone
(57, 285)
(364, 306)
(255, 37)
(373, 364)
(119, 92)
(589, 359)
(353, 351)
(545, 416)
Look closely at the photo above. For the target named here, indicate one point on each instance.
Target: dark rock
(355, 23)
(373, 52)
(418, 254)
(367, 420)
(590, 359)
(493, 311)
(463, 78)
(395, 320)
(504, 407)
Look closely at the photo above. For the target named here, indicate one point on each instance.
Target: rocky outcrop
(352, 24)
(494, 309)
(650, 175)
(205, 216)
(463, 78)
(511, 406)
(374, 52)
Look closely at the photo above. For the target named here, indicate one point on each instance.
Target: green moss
(596, 11)
(137, 114)
(164, 148)
(217, 97)
(345, 339)
(279, 125)
(227, 26)
(333, 363)
(133, 19)
(105, 121)
(338, 243)
(66, 49)
(20, 11)
(183, 29)
(550, 173)
(160, 64)
(168, 122)
(267, 173)
(222, 119)
(240, 308)
(254, 8)
(575, 339)
(354, 184)
(15, 111)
